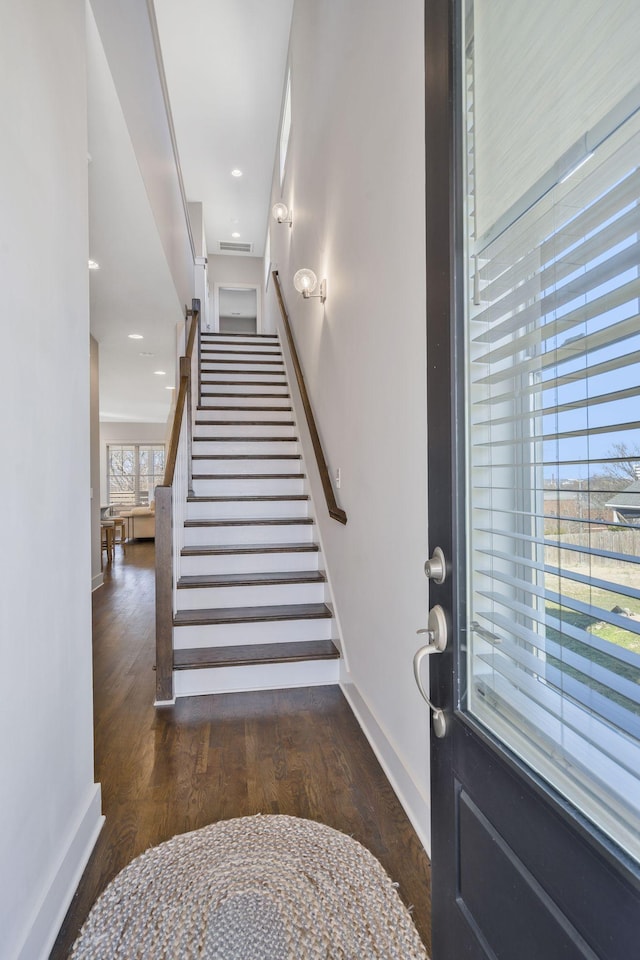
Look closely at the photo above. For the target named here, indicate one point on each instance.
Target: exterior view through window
(133, 472)
(553, 469)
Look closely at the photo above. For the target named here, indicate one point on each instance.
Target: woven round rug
(254, 888)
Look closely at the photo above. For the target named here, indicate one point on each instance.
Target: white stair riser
(244, 389)
(264, 631)
(272, 375)
(270, 676)
(239, 400)
(222, 381)
(269, 365)
(282, 429)
(244, 447)
(248, 342)
(247, 509)
(249, 563)
(248, 487)
(204, 417)
(248, 467)
(264, 595)
(216, 354)
(249, 533)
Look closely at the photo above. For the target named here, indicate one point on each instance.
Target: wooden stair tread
(284, 611)
(268, 396)
(250, 579)
(239, 373)
(245, 423)
(259, 653)
(248, 476)
(236, 353)
(250, 498)
(220, 407)
(255, 522)
(244, 439)
(214, 550)
(247, 456)
(247, 336)
(262, 363)
(242, 383)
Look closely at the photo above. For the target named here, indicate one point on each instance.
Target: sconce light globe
(280, 211)
(305, 281)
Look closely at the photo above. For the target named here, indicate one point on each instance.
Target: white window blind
(547, 73)
(553, 390)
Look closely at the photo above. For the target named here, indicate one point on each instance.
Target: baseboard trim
(97, 581)
(49, 913)
(415, 805)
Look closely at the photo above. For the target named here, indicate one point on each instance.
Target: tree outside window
(133, 472)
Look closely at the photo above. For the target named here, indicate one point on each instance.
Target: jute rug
(255, 888)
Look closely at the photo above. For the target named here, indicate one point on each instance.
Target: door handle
(437, 632)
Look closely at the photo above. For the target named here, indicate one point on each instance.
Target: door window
(553, 452)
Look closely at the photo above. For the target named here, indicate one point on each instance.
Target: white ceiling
(133, 291)
(224, 62)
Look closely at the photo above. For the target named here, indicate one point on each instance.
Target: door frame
(222, 285)
(442, 262)
(468, 754)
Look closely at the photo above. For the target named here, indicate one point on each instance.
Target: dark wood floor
(166, 771)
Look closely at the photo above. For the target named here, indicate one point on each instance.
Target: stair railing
(171, 506)
(332, 506)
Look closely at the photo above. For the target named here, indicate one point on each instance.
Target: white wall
(97, 578)
(49, 803)
(236, 270)
(128, 34)
(111, 432)
(355, 181)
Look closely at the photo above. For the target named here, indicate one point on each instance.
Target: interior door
(533, 303)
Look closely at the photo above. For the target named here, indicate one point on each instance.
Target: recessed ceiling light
(160, 373)
(169, 388)
(94, 265)
(235, 235)
(236, 173)
(136, 336)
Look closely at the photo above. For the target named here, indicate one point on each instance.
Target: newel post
(164, 596)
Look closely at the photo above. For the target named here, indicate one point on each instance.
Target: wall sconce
(305, 282)
(281, 213)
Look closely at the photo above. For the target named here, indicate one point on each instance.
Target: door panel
(535, 789)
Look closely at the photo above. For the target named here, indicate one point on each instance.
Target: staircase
(251, 610)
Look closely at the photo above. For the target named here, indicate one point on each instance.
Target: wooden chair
(107, 539)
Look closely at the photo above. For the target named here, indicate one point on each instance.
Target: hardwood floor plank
(174, 769)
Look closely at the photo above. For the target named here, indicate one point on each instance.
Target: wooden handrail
(172, 456)
(334, 510)
(194, 313)
(181, 400)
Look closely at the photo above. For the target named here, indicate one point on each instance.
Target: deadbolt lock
(436, 568)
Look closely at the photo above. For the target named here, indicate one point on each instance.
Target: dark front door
(533, 316)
